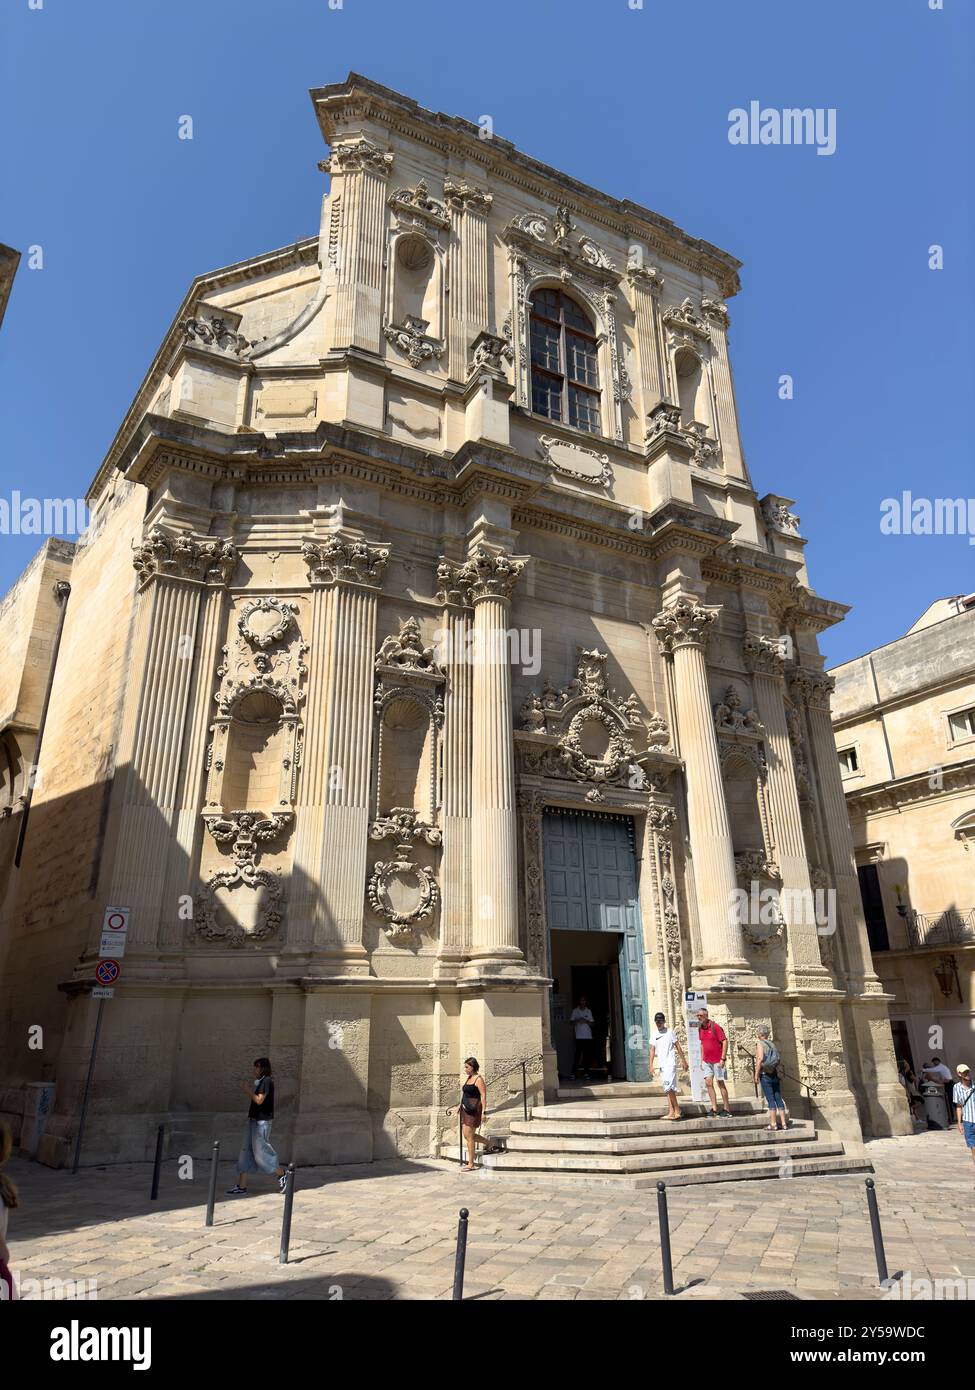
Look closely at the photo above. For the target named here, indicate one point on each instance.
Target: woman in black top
(472, 1110)
(256, 1154)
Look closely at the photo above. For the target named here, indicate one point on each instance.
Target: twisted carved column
(491, 576)
(764, 659)
(178, 572)
(682, 630)
(332, 841)
(812, 689)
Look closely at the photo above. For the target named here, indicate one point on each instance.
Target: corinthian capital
(490, 574)
(466, 195)
(684, 624)
(813, 688)
(355, 155)
(764, 655)
(168, 554)
(345, 560)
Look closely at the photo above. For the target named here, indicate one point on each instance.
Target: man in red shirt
(714, 1050)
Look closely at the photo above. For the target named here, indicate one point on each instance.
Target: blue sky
(836, 288)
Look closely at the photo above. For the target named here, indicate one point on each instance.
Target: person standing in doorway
(256, 1154)
(8, 1200)
(964, 1100)
(582, 1021)
(714, 1052)
(665, 1049)
(936, 1070)
(472, 1110)
(767, 1059)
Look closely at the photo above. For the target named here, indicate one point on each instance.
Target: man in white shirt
(582, 1021)
(665, 1049)
(935, 1070)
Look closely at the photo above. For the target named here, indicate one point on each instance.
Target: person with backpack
(767, 1061)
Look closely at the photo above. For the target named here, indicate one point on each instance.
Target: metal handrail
(799, 1082)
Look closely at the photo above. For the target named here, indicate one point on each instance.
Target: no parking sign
(107, 972)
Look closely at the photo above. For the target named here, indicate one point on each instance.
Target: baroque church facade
(430, 660)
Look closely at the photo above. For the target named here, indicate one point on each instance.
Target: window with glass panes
(565, 372)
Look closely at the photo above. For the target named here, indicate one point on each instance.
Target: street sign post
(115, 925)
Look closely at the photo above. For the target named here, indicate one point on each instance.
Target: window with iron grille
(565, 369)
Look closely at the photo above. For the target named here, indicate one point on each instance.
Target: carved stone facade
(387, 622)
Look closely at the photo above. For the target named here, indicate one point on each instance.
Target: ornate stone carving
(646, 275)
(576, 460)
(416, 202)
(213, 330)
(705, 451)
(686, 319)
(685, 623)
(179, 555)
(765, 655)
(454, 584)
(663, 419)
(411, 338)
(403, 823)
(489, 574)
(246, 831)
(562, 226)
(814, 688)
(461, 195)
(402, 893)
(231, 693)
(754, 864)
(490, 352)
(593, 254)
(800, 767)
(343, 559)
(357, 154)
(256, 625)
(406, 652)
(714, 309)
(531, 805)
(730, 719)
(777, 516)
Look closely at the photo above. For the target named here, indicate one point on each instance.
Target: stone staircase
(617, 1133)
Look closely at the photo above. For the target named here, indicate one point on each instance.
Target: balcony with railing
(949, 928)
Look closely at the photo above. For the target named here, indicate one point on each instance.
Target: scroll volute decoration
(409, 713)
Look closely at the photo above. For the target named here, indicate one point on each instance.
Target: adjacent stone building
(460, 670)
(904, 720)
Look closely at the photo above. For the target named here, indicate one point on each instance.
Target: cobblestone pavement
(388, 1232)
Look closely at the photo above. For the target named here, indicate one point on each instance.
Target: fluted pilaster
(645, 283)
(175, 571)
(682, 630)
(468, 268)
(764, 658)
(360, 171)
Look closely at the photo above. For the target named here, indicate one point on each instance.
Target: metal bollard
(665, 1237)
(524, 1086)
(878, 1235)
(289, 1197)
(212, 1197)
(157, 1165)
(461, 1256)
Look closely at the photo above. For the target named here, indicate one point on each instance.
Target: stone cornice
(914, 787)
(808, 610)
(359, 99)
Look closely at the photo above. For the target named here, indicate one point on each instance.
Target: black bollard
(158, 1163)
(211, 1199)
(289, 1198)
(878, 1235)
(524, 1086)
(665, 1237)
(461, 1256)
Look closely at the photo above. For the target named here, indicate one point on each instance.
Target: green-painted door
(591, 885)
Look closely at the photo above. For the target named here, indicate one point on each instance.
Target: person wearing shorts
(714, 1052)
(767, 1074)
(665, 1049)
(964, 1101)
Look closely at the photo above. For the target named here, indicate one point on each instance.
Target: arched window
(565, 371)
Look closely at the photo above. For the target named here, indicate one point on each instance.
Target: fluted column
(455, 931)
(491, 577)
(682, 630)
(726, 425)
(764, 659)
(813, 689)
(645, 283)
(353, 571)
(176, 569)
(359, 171)
(468, 268)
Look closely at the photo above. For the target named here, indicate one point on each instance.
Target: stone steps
(708, 1155)
(819, 1166)
(522, 1140)
(624, 1129)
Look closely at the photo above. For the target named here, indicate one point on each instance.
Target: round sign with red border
(115, 921)
(107, 972)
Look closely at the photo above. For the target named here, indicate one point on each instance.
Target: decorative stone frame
(417, 217)
(542, 254)
(569, 460)
(227, 702)
(688, 330)
(266, 604)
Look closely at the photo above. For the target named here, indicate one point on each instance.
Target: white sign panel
(99, 993)
(694, 1000)
(115, 925)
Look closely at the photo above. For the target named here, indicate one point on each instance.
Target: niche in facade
(407, 757)
(416, 281)
(256, 746)
(692, 388)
